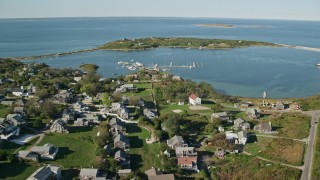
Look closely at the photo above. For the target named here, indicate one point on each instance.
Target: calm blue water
(282, 72)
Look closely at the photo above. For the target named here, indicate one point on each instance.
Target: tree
(49, 109)
(217, 108)
(32, 109)
(106, 99)
(133, 101)
(37, 123)
(172, 126)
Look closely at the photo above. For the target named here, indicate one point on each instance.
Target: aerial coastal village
(150, 124)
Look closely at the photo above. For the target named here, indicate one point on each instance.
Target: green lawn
(145, 94)
(168, 108)
(4, 110)
(143, 156)
(143, 85)
(256, 145)
(16, 171)
(277, 149)
(76, 149)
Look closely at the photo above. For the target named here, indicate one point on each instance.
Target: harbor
(135, 65)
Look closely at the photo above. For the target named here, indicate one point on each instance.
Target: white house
(194, 100)
(237, 138)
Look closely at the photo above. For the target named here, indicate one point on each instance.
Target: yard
(76, 149)
(256, 145)
(144, 92)
(16, 170)
(143, 156)
(4, 110)
(291, 125)
(169, 108)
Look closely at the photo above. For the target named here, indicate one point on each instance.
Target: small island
(173, 42)
(217, 25)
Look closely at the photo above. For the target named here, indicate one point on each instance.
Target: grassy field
(4, 110)
(316, 157)
(16, 171)
(256, 145)
(248, 167)
(285, 150)
(145, 94)
(76, 149)
(168, 108)
(143, 156)
(291, 125)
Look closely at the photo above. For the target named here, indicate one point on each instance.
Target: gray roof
(162, 177)
(265, 126)
(153, 172)
(246, 124)
(180, 150)
(17, 90)
(238, 121)
(120, 154)
(242, 134)
(220, 114)
(89, 172)
(121, 137)
(125, 171)
(14, 116)
(128, 86)
(116, 121)
(45, 148)
(18, 109)
(20, 102)
(23, 154)
(175, 139)
(252, 111)
(42, 173)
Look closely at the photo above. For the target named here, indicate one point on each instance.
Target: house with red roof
(188, 163)
(194, 100)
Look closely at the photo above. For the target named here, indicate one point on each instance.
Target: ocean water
(283, 72)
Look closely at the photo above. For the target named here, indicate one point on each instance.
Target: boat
(318, 64)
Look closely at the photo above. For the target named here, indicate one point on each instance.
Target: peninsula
(173, 42)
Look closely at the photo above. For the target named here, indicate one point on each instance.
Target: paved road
(307, 169)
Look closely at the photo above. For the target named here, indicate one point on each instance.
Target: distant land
(217, 25)
(233, 26)
(174, 42)
(169, 42)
